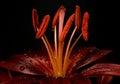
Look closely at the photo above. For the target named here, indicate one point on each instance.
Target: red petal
(74, 79)
(54, 81)
(103, 69)
(4, 75)
(84, 56)
(23, 79)
(79, 79)
(92, 55)
(25, 64)
(103, 80)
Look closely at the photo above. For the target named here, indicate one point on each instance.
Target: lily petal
(4, 76)
(91, 54)
(84, 56)
(102, 69)
(23, 79)
(103, 80)
(79, 79)
(22, 63)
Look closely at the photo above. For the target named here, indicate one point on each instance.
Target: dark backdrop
(17, 35)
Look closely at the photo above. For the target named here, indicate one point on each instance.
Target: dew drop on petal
(81, 55)
(101, 54)
(47, 62)
(25, 54)
(22, 68)
(31, 61)
(91, 50)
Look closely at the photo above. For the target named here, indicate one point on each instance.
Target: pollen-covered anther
(85, 26)
(35, 20)
(56, 17)
(77, 17)
(67, 27)
(43, 26)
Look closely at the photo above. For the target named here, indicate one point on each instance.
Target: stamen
(77, 17)
(61, 44)
(67, 27)
(35, 20)
(56, 17)
(55, 40)
(43, 26)
(85, 26)
(72, 46)
(50, 54)
(66, 58)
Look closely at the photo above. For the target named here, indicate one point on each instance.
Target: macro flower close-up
(63, 60)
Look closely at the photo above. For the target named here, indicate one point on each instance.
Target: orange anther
(43, 26)
(85, 26)
(67, 27)
(56, 17)
(77, 17)
(35, 20)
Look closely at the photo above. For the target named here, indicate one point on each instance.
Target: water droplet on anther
(22, 68)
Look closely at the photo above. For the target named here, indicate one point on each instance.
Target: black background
(17, 34)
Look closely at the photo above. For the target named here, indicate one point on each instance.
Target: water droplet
(30, 50)
(36, 55)
(31, 61)
(74, 55)
(47, 62)
(41, 58)
(81, 55)
(25, 77)
(25, 54)
(91, 50)
(22, 68)
(101, 53)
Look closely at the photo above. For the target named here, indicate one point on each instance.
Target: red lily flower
(59, 63)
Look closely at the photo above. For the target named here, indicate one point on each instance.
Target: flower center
(60, 59)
